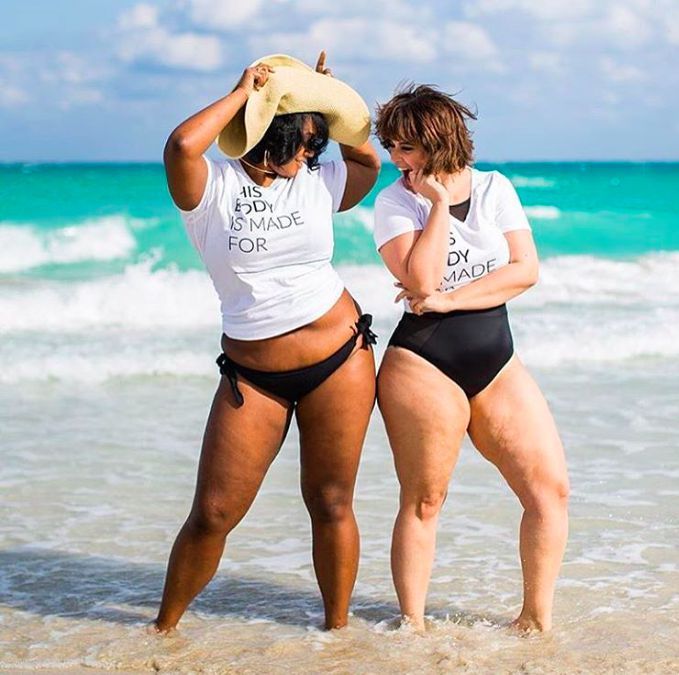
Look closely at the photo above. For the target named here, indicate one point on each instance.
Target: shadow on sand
(57, 583)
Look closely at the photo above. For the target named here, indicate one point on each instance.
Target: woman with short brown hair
(460, 246)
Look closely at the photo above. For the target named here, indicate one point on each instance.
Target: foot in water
(152, 629)
(528, 625)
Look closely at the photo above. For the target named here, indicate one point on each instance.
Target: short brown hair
(432, 119)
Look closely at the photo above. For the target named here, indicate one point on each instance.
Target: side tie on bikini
(363, 328)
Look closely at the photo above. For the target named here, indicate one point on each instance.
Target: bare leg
(512, 427)
(333, 420)
(238, 448)
(426, 415)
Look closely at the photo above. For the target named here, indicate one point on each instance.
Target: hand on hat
(320, 65)
(254, 78)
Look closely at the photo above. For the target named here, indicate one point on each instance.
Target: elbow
(422, 288)
(532, 276)
(177, 145)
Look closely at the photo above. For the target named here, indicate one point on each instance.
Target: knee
(329, 504)
(547, 495)
(212, 517)
(426, 506)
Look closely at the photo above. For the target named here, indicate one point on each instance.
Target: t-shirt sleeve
(392, 219)
(509, 214)
(196, 220)
(334, 176)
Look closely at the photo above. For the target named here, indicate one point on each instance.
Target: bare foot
(152, 629)
(410, 624)
(526, 626)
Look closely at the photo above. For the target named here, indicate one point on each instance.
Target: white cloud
(355, 38)
(547, 62)
(620, 73)
(470, 42)
(143, 40)
(11, 95)
(546, 10)
(396, 10)
(625, 28)
(672, 27)
(139, 16)
(223, 14)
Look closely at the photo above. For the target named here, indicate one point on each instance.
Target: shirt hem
(275, 332)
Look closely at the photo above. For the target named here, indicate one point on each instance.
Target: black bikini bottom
(294, 384)
(470, 346)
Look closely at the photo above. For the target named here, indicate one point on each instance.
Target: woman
(294, 340)
(460, 246)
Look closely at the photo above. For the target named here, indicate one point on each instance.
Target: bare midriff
(300, 347)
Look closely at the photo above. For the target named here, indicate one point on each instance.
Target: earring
(266, 158)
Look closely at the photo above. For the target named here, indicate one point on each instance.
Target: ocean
(109, 328)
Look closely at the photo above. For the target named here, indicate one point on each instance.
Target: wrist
(242, 91)
(441, 199)
(451, 301)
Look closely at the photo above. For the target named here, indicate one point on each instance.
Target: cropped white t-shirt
(476, 246)
(268, 249)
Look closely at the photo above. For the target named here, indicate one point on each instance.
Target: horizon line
(92, 162)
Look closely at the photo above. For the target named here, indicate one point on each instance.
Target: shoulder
(488, 179)
(493, 180)
(396, 194)
(492, 184)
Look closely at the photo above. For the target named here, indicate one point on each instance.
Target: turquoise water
(619, 211)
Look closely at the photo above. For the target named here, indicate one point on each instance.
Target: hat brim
(294, 87)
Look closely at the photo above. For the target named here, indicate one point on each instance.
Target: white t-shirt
(268, 249)
(476, 246)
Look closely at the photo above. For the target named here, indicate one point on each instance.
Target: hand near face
(428, 186)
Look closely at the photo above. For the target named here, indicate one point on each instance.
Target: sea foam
(150, 322)
(23, 248)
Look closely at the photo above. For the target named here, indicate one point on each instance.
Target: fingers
(261, 75)
(320, 64)
(403, 295)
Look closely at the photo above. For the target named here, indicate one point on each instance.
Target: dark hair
(426, 117)
(284, 137)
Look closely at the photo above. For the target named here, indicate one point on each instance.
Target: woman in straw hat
(294, 340)
(460, 246)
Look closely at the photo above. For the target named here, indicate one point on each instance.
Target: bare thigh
(512, 426)
(425, 414)
(332, 421)
(238, 447)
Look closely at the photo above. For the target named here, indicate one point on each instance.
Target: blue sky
(552, 79)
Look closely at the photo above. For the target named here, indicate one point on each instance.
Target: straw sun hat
(295, 87)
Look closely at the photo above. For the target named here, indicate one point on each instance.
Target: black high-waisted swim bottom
(293, 384)
(470, 346)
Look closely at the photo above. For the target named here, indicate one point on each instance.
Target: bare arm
(363, 164)
(183, 156)
(418, 259)
(491, 290)
(363, 167)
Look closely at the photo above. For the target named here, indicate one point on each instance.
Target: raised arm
(363, 167)
(363, 163)
(183, 156)
(418, 259)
